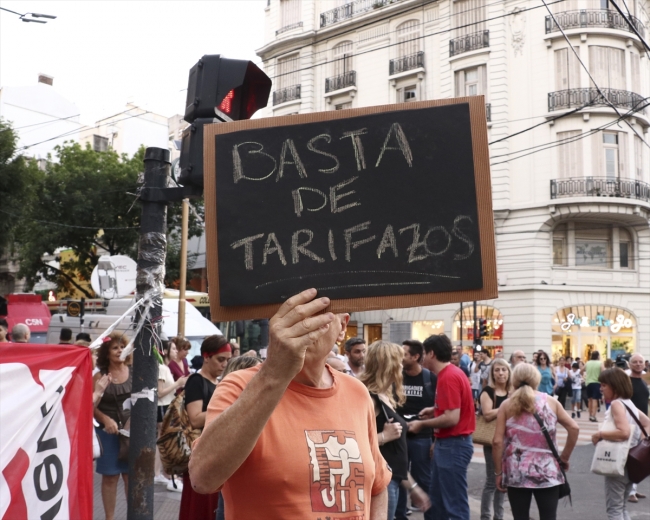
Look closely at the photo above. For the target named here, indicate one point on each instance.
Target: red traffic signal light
(483, 332)
(236, 88)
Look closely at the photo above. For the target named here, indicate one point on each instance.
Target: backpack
(428, 386)
(177, 435)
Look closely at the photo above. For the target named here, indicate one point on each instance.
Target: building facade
(571, 195)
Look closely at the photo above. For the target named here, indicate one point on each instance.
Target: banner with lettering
(46, 463)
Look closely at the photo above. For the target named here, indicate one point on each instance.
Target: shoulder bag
(484, 432)
(124, 427)
(610, 456)
(638, 459)
(565, 489)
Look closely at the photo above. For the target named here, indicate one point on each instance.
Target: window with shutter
(636, 72)
(471, 82)
(567, 69)
(469, 17)
(610, 150)
(289, 12)
(638, 158)
(408, 34)
(607, 67)
(287, 72)
(569, 154)
(623, 170)
(342, 58)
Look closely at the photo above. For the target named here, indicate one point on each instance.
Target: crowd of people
(383, 424)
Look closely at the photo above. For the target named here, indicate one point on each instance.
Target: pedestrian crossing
(587, 429)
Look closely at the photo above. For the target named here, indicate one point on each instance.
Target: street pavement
(587, 489)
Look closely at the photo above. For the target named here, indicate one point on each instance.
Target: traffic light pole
(150, 285)
(475, 326)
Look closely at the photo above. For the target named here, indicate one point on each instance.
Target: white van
(197, 328)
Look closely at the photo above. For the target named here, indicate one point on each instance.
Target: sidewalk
(166, 503)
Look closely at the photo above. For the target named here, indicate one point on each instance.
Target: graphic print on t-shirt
(337, 476)
(413, 390)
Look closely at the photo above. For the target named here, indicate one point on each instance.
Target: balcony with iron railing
(286, 94)
(600, 187)
(406, 63)
(596, 18)
(288, 28)
(469, 42)
(347, 79)
(579, 97)
(350, 10)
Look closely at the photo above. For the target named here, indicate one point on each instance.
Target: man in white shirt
(355, 350)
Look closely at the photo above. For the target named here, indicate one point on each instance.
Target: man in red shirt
(453, 420)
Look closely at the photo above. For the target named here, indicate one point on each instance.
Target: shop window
(463, 326)
(372, 333)
(421, 330)
(582, 329)
(592, 246)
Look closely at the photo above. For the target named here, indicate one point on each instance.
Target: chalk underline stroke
(369, 285)
(355, 272)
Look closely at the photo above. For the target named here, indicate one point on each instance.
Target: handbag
(484, 431)
(610, 456)
(565, 488)
(123, 454)
(638, 459)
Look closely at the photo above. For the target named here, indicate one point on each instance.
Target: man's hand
(295, 326)
(420, 499)
(415, 426)
(426, 413)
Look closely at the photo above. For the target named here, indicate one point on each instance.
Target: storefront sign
(600, 321)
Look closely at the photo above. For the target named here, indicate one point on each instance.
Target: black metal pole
(461, 326)
(475, 327)
(150, 285)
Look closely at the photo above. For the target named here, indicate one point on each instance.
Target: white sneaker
(178, 488)
(161, 479)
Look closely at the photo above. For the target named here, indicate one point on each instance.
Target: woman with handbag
(620, 426)
(492, 397)
(382, 376)
(526, 462)
(562, 381)
(110, 414)
(216, 352)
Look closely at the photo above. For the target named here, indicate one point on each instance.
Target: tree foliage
(86, 202)
(18, 176)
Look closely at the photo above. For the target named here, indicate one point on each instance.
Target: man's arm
(448, 419)
(379, 506)
(227, 441)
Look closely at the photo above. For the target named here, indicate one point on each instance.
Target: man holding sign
(299, 434)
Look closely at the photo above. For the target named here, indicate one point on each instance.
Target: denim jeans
(420, 469)
(490, 494)
(393, 493)
(448, 491)
(221, 515)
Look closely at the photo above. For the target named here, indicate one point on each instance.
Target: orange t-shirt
(316, 458)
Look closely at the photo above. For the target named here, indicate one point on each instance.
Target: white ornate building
(571, 195)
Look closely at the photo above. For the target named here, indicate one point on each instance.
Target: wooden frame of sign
(429, 138)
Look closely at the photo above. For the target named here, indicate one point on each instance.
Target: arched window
(342, 55)
(408, 38)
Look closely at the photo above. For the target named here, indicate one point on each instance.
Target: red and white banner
(46, 461)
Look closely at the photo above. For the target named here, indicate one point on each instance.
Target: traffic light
(482, 330)
(478, 347)
(219, 90)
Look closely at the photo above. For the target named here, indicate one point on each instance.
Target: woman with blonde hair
(524, 464)
(382, 376)
(492, 397)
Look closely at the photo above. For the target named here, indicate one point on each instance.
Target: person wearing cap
(298, 434)
(65, 336)
(216, 352)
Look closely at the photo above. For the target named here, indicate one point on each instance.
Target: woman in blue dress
(547, 372)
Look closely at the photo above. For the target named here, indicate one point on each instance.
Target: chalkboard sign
(380, 207)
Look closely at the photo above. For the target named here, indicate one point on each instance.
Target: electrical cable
(589, 74)
(567, 140)
(67, 225)
(629, 22)
(65, 134)
(410, 40)
(48, 122)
